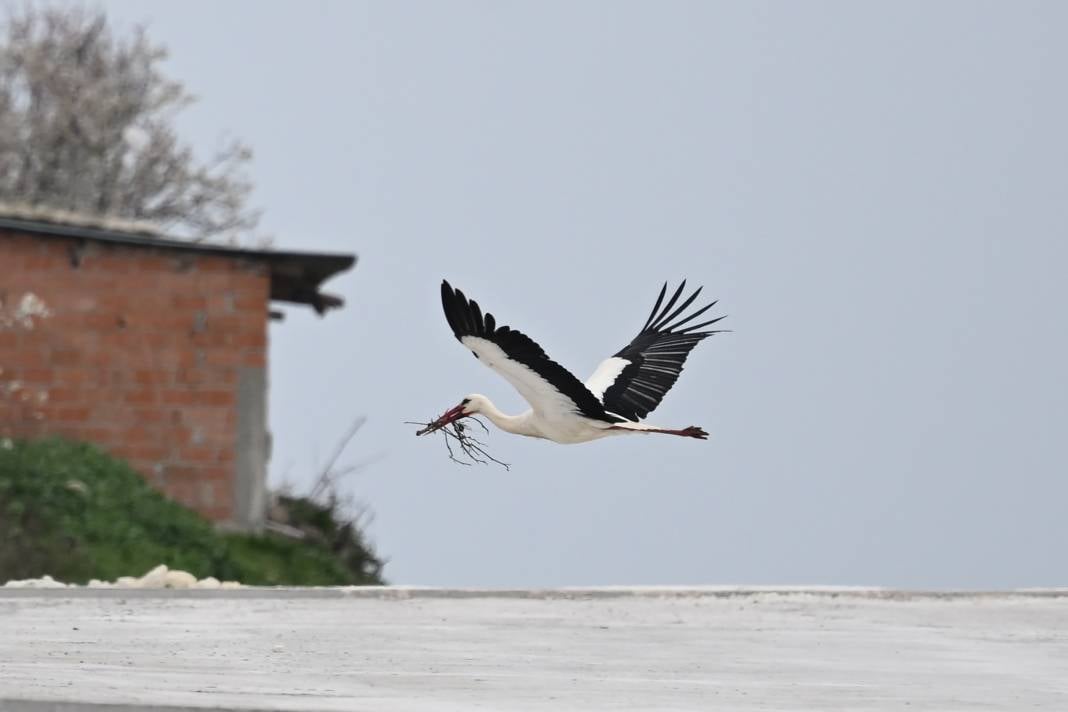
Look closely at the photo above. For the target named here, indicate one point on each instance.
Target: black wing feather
(659, 301)
(656, 357)
(465, 318)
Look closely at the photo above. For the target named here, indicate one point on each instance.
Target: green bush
(69, 510)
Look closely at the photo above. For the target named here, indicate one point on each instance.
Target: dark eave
(295, 276)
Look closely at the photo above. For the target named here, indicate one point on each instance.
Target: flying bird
(621, 392)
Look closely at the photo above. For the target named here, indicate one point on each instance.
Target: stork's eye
(465, 401)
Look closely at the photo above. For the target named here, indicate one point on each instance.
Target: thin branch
(327, 475)
(473, 448)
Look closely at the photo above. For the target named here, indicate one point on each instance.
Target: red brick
(223, 357)
(64, 358)
(151, 262)
(214, 472)
(98, 321)
(150, 416)
(179, 398)
(216, 265)
(98, 435)
(141, 352)
(199, 455)
(148, 452)
(191, 376)
(141, 397)
(152, 378)
(187, 302)
(67, 414)
(216, 339)
(176, 473)
(60, 394)
(41, 262)
(37, 375)
(24, 358)
(250, 341)
(216, 398)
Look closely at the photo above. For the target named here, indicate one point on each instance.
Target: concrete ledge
(546, 594)
(409, 649)
(48, 706)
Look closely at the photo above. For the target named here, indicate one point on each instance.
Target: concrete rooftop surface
(430, 650)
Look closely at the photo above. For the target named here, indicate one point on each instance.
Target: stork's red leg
(691, 432)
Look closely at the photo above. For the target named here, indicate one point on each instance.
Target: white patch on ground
(157, 578)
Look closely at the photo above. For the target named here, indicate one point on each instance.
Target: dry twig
(471, 447)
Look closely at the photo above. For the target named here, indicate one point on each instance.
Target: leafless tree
(86, 125)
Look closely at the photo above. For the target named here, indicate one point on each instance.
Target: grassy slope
(69, 510)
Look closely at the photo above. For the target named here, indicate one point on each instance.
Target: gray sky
(875, 191)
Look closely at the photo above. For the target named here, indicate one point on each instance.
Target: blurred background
(875, 192)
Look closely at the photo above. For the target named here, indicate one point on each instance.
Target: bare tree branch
(86, 125)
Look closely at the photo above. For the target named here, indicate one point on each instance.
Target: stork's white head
(470, 405)
(474, 404)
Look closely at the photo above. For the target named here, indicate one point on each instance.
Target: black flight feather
(467, 319)
(656, 356)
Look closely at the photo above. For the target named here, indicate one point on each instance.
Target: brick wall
(134, 349)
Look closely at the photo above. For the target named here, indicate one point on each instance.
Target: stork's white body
(566, 430)
(552, 416)
(623, 389)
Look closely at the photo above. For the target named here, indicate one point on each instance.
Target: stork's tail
(691, 432)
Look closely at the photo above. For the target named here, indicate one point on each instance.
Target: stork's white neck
(517, 424)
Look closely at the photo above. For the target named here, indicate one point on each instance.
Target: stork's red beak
(450, 416)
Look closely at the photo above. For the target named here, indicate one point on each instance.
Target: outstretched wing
(546, 385)
(634, 381)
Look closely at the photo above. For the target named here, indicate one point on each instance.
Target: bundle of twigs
(468, 445)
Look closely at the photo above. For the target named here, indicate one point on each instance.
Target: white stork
(622, 391)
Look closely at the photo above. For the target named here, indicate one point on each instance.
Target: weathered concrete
(621, 649)
(250, 481)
